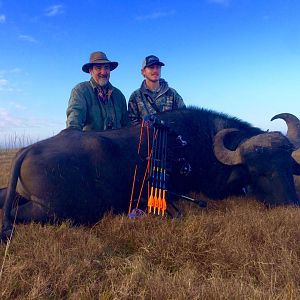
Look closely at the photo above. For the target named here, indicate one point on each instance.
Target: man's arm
(133, 113)
(178, 100)
(76, 111)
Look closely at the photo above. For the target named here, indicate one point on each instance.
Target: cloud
(7, 120)
(2, 19)
(221, 2)
(156, 15)
(16, 106)
(4, 84)
(7, 77)
(18, 131)
(19, 127)
(17, 118)
(11, 71)
(54, 10)
(15, 70)
(27, 38)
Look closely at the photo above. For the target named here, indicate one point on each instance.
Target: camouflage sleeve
(178, 100)
(76, 111)
(133, 112)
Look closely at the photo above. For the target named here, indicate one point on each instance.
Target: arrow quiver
(157, 203)
(156, 167)
(156, 170)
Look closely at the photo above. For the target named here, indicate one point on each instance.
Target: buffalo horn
(223, 154)
(293, 132)
(293, 124)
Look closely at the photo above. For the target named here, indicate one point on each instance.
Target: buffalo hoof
(6, 234)
(202, 203)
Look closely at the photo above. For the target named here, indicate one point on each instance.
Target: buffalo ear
(296, 168)
(296, 161)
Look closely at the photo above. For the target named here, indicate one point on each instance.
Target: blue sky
(241, 57)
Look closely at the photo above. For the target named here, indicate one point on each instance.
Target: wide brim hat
(97, 58)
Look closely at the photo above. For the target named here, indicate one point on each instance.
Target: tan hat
(98, 58)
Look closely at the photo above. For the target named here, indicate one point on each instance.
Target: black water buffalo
(80, 175)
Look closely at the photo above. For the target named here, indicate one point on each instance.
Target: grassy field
(233, 249)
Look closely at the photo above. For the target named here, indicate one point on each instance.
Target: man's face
(152, 73)
(100, 73)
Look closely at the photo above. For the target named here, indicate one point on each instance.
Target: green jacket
(86, 112)
(143, 102)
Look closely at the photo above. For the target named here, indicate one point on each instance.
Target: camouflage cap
(151, 60)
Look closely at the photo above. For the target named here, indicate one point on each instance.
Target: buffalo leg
(18, 198)
(25, 213)
(31, 211)
(2, 196)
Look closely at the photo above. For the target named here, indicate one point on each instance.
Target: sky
(239, 57)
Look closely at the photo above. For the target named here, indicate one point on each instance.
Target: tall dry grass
(6, 156)
(234, 249)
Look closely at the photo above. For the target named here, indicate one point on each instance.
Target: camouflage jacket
(85, 111)
(142, 103)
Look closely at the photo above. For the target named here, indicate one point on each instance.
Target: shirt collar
(95, 85)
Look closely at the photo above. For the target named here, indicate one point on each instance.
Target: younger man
(154, 95)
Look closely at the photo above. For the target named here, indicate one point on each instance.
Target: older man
(96, 104)
(154, 95)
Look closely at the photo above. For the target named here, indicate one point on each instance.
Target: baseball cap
(151, 60)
